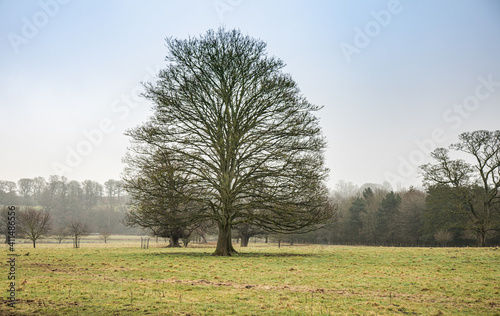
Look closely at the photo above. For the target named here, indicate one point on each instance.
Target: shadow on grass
(274, 255)
(235, 255)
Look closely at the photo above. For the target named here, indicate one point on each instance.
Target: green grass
(122, 279)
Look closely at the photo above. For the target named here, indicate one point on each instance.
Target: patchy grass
(122, 279)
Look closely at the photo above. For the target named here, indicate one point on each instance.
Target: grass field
(122, 279)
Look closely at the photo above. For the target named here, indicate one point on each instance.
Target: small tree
(60, 233)
(78, 228)
(34, 224)
(105, 233)
(245, 231)
(162, 200)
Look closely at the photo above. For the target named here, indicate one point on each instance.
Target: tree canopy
(238, 130)
(475, 185)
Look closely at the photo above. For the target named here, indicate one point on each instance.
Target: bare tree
(240, 131)
(105, 234)
(162, 201)
(34, 224)
(60, 233)
(245, 231)
(476, 185)
(77, 229)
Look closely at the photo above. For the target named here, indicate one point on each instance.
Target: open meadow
(122, 279)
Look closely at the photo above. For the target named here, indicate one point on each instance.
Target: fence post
(144, 243)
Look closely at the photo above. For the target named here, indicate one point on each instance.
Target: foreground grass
(117, 279)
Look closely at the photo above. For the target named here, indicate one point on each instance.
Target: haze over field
(396, 78)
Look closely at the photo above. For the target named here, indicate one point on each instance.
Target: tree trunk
(34, 240)
(173, 241)
(244, 240)
(481, 237)
(224, 243)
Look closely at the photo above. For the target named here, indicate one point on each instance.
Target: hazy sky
(396, 78)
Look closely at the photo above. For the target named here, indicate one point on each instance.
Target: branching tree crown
(34, 224)
(476, 186)
(161, 198)
(240, 131)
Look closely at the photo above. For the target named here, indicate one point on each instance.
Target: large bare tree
(239, 129)
(476, 185)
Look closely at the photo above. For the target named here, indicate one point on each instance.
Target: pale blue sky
(71, 68)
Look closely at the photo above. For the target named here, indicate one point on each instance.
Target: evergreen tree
(387, 218)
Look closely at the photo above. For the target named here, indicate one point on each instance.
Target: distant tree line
(459, 207)
(407, 218)
(370, 215)
(64, 208)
